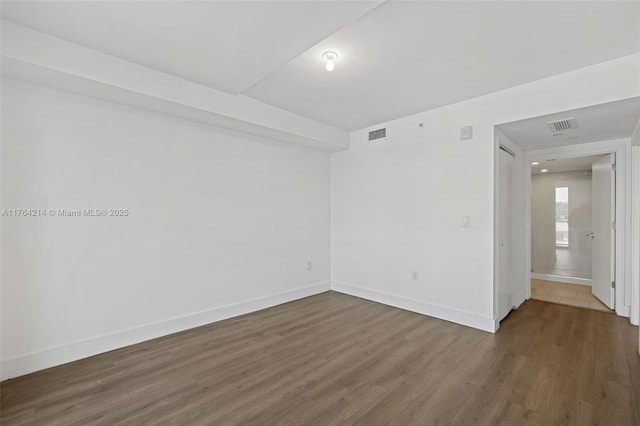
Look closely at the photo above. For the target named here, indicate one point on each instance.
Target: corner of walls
(203, 204)
(441, 312)
(397, 204)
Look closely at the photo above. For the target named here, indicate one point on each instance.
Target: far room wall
(218, 224)
(397, 204)
(574, 260)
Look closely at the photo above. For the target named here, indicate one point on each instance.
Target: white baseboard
(432, 310)
(28, 363)
(561, 279)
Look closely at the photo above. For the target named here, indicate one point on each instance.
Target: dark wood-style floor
(336, 359)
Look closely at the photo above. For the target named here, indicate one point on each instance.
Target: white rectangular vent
(560, 126)
(378, 134)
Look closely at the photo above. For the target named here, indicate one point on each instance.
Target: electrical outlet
(309, 265)
(414, 275)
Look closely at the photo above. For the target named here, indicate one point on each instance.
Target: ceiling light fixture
(330, 56)
(544, 171)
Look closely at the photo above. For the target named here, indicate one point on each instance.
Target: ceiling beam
(40, 58)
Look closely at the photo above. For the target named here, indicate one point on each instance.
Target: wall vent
(378, 134)
(559, 126)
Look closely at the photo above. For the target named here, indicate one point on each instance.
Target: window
(562, 216)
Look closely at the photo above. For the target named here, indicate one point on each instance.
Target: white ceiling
(407, 57)
(613, 120)
(226, 45)
(564, 164)
(396, 59)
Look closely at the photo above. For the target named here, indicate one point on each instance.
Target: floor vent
(378, 134)
(560, 126)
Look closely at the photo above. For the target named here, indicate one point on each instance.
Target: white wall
(397, 204)
(222, 224)
(219, 225)
(572, 261)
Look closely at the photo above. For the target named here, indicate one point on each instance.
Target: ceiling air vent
(375, 135)
(560, 126)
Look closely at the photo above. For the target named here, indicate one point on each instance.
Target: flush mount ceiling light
(330, 56)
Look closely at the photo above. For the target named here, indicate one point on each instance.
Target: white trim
(561, 279)
(635, 136)
(635, 237)
(527, 225)
(27, 363)
(441, 312)
(624, 197)
(496, 242)
(521, 278)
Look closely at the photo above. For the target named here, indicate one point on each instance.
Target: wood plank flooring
(333, 359)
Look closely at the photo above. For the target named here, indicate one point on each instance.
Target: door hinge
(613, 284)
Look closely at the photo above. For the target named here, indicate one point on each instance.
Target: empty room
(320, 213)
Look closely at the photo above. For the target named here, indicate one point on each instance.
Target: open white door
(506, 244)
(603, 235)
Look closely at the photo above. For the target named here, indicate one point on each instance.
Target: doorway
(572, 243)
(589, 131)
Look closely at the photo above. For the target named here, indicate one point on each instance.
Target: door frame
(623, 214)
(501, 140)
(513, 242)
